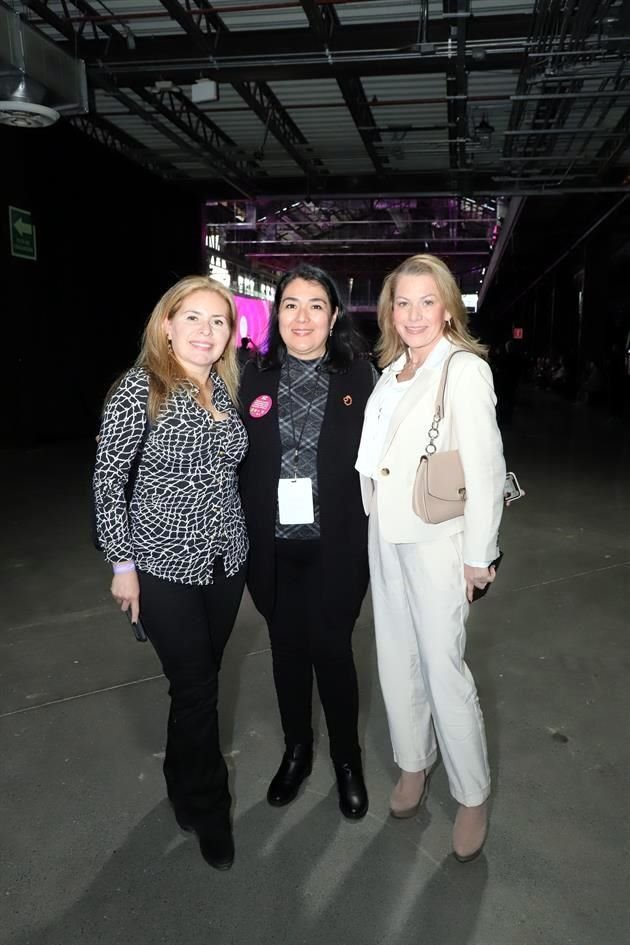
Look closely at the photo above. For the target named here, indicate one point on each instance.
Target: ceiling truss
(322, 102)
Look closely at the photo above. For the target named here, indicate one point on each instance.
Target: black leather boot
(353, 797)
(296, 765)
(217, 843)
(184, 821)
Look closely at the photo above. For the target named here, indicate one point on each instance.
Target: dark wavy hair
(345, 343)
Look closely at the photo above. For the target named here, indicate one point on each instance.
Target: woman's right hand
(126, 592)
(477, 578)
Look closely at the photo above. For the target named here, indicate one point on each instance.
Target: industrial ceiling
(442, 111)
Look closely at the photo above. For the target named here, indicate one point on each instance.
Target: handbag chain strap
(434, 430)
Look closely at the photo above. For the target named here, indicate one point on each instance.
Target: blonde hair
(390, 345)
(166, 374)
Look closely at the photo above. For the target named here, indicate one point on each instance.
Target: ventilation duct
(38, 81)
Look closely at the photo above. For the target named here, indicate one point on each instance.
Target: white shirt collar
(440, 353)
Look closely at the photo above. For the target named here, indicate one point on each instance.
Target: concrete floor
(91, 854)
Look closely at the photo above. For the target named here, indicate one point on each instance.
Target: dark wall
(564, 280)
(110, 239)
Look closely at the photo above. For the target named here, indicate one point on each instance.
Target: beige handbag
(439, 490)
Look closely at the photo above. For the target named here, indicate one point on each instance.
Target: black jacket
(343, 523)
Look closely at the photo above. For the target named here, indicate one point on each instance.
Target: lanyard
(298, 440)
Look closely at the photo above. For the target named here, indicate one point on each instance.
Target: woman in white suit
(424, 576)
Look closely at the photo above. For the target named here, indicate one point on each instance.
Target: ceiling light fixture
(204, 90)
(484, 131)
(130, 39)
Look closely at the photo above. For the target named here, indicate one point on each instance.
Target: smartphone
(511, 488)
(138, 629)
(477, 591)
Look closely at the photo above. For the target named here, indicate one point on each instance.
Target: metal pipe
(526, 132)
(583, 51)
(552, 95)
(445, 252)
(338, 57)
(529, 177)
(544, 158)
(324, 241)
(481, 221)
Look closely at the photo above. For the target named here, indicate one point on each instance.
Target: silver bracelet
(124, 568)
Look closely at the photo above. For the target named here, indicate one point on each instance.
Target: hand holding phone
(138, 629)
(479, 592)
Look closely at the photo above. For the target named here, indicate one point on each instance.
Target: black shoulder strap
(148, 426)
(131, 478)
(135, 463)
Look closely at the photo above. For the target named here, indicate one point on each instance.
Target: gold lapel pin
(347, 400)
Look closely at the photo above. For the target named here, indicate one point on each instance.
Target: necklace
(409, 370)
(412, 364)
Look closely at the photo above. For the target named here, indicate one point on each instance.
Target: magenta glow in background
(255, 312)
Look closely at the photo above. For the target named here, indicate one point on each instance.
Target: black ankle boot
(295, 766)
(353, 797)
(184, 821)
(183, 818)
(217, 843)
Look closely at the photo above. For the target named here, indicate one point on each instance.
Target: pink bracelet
(124, 568)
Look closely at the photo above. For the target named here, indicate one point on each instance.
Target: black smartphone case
(138, 630)
(478, 593)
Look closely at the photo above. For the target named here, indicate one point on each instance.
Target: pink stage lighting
(253, 318)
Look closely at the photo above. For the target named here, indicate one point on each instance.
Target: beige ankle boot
(408, 794)
(469, 832)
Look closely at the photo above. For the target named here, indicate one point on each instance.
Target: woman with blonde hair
(178, 547)
(424, 576)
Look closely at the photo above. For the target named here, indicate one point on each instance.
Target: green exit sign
(22, 229)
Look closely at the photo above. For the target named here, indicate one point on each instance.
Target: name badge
(295, 502)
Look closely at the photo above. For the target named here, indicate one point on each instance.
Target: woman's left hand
(126, 592)
(477, 577)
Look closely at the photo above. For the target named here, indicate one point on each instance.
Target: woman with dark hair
(303, 406)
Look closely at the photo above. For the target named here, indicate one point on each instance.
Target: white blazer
(469, 425)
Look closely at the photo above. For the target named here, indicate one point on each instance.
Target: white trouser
(420, 611)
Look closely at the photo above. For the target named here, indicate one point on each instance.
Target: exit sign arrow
(23, 234)
(22, 227)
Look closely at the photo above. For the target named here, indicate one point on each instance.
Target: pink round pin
(260, 406)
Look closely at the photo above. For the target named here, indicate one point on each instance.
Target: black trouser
(305, 636)
(189, 626)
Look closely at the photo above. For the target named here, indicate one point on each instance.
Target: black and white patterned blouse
(185, 509)
(304, 388)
